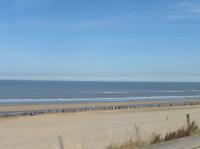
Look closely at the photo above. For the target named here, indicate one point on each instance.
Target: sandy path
(90, 129)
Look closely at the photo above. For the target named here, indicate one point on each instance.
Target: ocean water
(82, 91)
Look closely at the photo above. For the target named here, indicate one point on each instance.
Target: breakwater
(90, 108)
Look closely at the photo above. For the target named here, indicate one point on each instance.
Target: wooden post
(188, 119)
(137, 131)
(60, 142)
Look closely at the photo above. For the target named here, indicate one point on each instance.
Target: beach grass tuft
(130, 144)
(191, 129)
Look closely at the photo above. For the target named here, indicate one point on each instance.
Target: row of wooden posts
(64, 110)
(81, 109)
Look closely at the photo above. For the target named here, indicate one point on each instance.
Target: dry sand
(91, 130)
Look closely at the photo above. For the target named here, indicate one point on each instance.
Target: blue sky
(123, 40)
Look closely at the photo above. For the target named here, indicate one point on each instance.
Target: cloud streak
(22, 4)
(187, 7)
(184, 10)
(87, 24)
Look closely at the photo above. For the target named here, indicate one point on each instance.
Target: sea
(25, 92)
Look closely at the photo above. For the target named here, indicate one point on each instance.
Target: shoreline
(10, 110)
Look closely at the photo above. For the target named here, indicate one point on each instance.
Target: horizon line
(140, 81)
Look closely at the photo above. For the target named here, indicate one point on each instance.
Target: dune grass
(130, 144)
(191, 129)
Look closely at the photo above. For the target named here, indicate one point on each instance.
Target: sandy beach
(93, 129)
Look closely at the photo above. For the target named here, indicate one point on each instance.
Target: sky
(103, 40)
